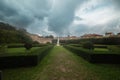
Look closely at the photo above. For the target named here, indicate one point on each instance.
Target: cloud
(98, 17)
(6, 11)
(23, 13)
(62, 17)
(78, 18)
(116, 4)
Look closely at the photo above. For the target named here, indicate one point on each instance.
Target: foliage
(28, 46)
(6, 26)
(88, 71)
(15, 45)
(3, 49)
(88, 45)
(50, 36)
(101, 50)
(114, 48)
(104, 41)
(100, 46)
(76, 45)
(9, 34)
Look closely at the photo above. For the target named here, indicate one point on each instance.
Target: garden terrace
(61, 64)
(22, 58)
(98, 55)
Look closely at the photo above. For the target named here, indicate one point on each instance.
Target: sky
(62, 17)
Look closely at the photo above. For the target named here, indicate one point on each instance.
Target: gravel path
(63, 65)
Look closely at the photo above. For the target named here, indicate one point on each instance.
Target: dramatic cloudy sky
(62, 17)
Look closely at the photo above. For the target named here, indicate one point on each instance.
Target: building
(40, 39)
(92, 36)
(69, 38)
(109, 34)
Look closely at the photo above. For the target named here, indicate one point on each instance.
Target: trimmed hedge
(22, 45)
(18, 61)
(1, 75)
(44, 52)
(105, 58)
(100, 46)
(76, 45)
(95, 46)
(24, 60)
(84, 54)
(95, 58)
(114, 48)
(15, 45)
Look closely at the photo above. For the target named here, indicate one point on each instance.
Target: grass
(111, 49)
(97, 50)
(101, 50)
(20, 50)
(61, 64)
(28, 73)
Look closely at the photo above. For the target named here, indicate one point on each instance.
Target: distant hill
(9, 34)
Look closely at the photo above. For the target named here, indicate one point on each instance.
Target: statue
(58, 43)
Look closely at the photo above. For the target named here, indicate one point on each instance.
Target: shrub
(88, 45)
(28, 46)
(15, 45)
(3, 49)
(114, 48)
(100, 46)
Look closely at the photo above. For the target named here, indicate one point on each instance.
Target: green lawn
(20, 50)
(61, 64)
(101, 50)
(112, 50)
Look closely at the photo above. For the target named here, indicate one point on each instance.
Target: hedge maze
(111, 57)
(25, 60)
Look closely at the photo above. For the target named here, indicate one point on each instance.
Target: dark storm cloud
(23, 13)
(117, 3)
(20, 20)
(62, 15)
(11, 15)
(57, 16)
(79, 29)
(6, 9)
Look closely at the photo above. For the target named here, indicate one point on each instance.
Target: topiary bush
(28, 46)
(88, 45)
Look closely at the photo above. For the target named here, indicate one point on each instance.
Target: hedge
(79, 51)
(95, 58)
(100, 46)
(22, 45)
(105, 58)
(45, 51)
(24, 60)
(18, 61)
(15, 45)
(1, 75)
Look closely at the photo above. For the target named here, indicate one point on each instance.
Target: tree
(28, 46)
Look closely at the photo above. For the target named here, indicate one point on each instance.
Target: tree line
(105, 41)
(9, 34)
